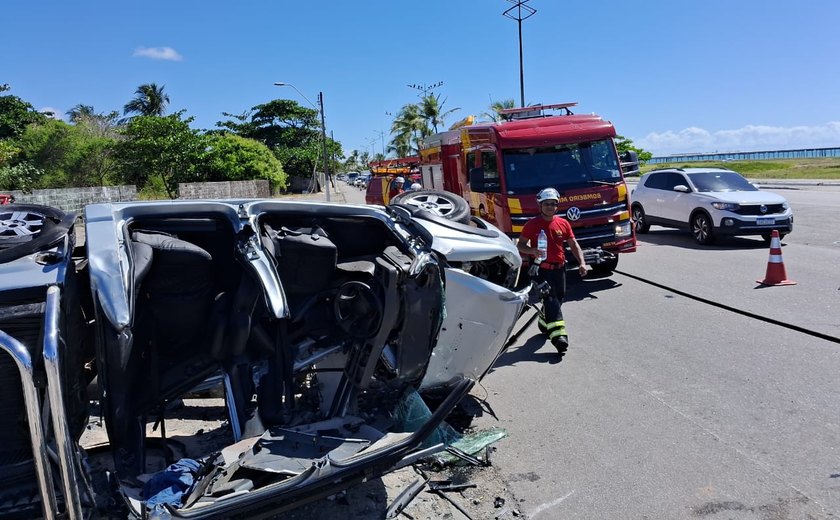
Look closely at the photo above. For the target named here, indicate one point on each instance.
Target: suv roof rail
(664, 170)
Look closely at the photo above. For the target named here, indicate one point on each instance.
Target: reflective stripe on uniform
(559, 332)
(556, 328)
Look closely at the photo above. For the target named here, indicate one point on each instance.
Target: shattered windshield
(528, 170)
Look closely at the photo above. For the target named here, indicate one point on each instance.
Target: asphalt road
(669, 407)
(678, 399)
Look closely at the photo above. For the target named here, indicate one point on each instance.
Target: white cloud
(744, 139)
(158, 53)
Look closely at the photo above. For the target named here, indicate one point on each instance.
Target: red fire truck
(499, 168)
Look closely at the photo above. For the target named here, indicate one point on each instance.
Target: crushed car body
(314, 319)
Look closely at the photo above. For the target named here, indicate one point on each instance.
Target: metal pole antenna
(519, 5)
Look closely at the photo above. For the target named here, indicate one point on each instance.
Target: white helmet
(416, 186)
(548, 194)
(399, 179)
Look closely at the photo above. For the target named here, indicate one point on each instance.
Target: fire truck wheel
(639, 217)
(441, 203)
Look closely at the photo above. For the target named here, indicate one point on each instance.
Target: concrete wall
(254, 189)
(74, 199)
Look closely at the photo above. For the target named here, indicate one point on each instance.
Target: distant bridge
(804, 153)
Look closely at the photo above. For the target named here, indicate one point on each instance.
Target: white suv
(709, 202)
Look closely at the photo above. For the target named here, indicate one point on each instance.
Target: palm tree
(496, 108)
(80, 113)
(431, 109)
(406, 126)
(149, 101)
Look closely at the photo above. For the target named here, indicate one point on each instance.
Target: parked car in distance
(709, 202)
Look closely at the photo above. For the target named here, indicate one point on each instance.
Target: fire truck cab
(499, 167)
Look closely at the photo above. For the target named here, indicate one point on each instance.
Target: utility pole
(324, 140)
(516, 13)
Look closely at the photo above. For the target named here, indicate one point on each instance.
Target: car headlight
(728, 206)
(785, 205)
(622, 229)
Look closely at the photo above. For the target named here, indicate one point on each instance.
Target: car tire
(702, 228)
(639, 218)
(22, 223)
(441, 203)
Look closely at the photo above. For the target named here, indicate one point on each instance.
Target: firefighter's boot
(558, 336)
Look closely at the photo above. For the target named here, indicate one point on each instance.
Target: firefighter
(553, 267)
(397, 187)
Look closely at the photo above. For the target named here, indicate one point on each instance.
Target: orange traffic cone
(775, 266)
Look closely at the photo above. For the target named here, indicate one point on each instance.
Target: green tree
(22, 176)
(8, 152)
(149, 100)
(96, 124)
(161, 152)
(15, 115)
(496, 107)
(431, 109)
(53, 147)
(69, 155)
(408, 126)
(233, 158)
(352, 162)
(291, 131)
(623, 144)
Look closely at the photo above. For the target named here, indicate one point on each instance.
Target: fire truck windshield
(528, 170)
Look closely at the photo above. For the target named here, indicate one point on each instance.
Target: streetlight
(519, 5)
(381, 135)
(320, 109)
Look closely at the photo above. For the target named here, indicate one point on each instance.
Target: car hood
(746, 197)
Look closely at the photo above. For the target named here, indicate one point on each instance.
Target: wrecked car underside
(315, 321)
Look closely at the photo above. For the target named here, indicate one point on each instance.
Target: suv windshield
(720, 181)
(529, 170)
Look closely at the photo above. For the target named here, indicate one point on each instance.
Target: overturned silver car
(316, 320)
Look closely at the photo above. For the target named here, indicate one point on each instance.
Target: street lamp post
(320, 109)
(519, 6)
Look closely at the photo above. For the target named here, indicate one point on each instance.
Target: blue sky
(673, 76)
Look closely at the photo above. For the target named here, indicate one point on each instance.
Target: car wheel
(21, 223)
(639, 217)
(441, 203)
(702, 229)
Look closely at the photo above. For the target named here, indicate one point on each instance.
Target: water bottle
(542, 247)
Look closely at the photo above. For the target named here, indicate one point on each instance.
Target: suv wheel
(702, 228)
(441, 203)
(639, 217)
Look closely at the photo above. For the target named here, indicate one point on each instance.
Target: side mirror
(682, 188)
(479, 184)
(629, 163)
(476, 177)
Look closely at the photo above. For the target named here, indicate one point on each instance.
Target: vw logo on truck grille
(573, 213)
